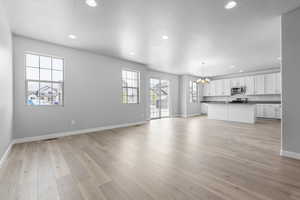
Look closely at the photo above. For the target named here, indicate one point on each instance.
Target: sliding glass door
(159, 98)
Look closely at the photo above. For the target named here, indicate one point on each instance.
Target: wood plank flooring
(181, 159)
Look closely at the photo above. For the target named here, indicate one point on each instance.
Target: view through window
(130, 87)
(44, 80)
(193, 92)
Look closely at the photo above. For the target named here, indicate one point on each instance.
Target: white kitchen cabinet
(212, 88)
(249, 83)
(272, 111)
(242, 82)
(219, 87)
(237, 82)
(226, 89)
(204, 108)
(260, 110)
(216, 88)
(278, 83)
(255, 85)
(278, 111)
(270, 83)
(259, 84)
(269, 111)
(206, 88)
(233, 82)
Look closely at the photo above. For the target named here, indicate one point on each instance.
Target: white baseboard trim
(76, 132)
(6, 153)
(290, 154)
(62, 134)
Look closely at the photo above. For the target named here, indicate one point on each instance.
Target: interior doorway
(159, 98)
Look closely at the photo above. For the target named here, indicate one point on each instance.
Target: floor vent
(51, 139)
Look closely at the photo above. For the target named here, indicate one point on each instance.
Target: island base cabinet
(245, 113)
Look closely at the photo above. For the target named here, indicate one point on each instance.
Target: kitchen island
(236, 112)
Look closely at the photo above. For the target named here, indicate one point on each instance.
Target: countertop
(249, 102)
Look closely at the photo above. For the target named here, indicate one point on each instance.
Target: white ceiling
(247, 36)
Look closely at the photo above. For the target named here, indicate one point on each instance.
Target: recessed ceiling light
(241, 71)
(165, 37)
(73, 37)
(132, 53)
(230, 5)
(232, 66)
(91, 3)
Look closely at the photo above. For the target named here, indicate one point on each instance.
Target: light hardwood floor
(166, 159)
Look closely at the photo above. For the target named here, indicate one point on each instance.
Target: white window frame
(39, 81)
(138, 86)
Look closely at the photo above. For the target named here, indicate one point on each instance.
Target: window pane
(45, 74)
(57, 64)
(32, 60)
(130, 93)
(45, 62)
(134, 92)
(125, 99)
(45, 93)
(57, 75)
(134, 83)
(130, 80)
(135, 75)
(32, 73)
(130, 99)
(125, 92)
(32, 93)
(124, 74)
(124, 83)
(57, 93)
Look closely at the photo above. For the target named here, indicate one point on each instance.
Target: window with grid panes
(130, 87)
(44, 76)
(193, 91)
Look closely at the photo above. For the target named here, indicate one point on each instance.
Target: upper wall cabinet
(259, 84)
(206, 90)
(250, 87)
(255, 85)
(237, 82)
(270, 83)
(227, 88)
(278, 83)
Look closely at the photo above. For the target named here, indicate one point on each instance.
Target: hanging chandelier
(203, 80)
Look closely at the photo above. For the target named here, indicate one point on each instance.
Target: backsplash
(250, 98)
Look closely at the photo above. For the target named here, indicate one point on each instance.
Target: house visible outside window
(130, 87)
(193, 91)
(44, 80)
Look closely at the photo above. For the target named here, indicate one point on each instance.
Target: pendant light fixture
(203, 79)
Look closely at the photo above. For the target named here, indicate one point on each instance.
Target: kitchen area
(243, 99)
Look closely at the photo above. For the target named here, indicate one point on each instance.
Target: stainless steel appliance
(240, 100)
(238, 90)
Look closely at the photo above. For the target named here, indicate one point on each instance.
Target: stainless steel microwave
(238, 90)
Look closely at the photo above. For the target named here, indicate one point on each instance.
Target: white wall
(6, 83)
(92, 97)
(174, 91)
(291, 81)
(186, 108)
